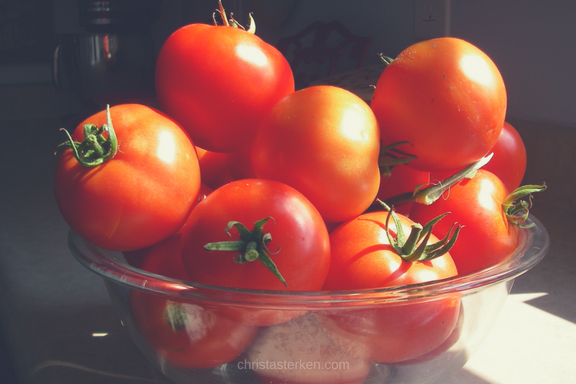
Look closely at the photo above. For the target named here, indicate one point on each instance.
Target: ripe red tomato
(139, 197)
(324, 142)
(444, 96)
(218, 82)
(299, 245)
(185, 334)
(442, 348)
(297, 233)
(362, 258)
(509, 160)
(487, 237)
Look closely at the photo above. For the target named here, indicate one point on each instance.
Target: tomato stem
(95, 149)
(232, 22)
(517, 209)
(428, 195)
(252, 25)
(389, 158)
(252, 246)
(222, 14)
(416, 247)
(385, 59)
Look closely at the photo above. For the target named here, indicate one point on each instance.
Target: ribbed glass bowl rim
(533, 246)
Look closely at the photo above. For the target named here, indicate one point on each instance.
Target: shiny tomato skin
(141, 196)
(509, 160)
(487, 237)
(300, 244)
(205, 339)
(218, 82)
(324, 142)
(362, 258)
(444, 96)
(298, 234)
(442, 348)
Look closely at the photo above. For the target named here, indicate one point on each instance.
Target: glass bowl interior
(475, 301)
(532, 247)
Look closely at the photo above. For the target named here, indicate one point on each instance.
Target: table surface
(60, 326)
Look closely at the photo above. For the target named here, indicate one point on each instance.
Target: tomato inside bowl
(304, 349)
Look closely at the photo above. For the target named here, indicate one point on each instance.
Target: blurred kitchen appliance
(113, 58)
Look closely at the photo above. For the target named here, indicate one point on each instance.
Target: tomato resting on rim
(257, 234)
(488, 237)
(142, 194)
(363, 258)
(446, 98)
(184, 333)
(219, 82)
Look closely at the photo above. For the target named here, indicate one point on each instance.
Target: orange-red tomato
(324, 142)
(140, 196)
(299, 245)
(487, 237)
(444, 96)
(183, 333)
(362, 258)
(219, 82)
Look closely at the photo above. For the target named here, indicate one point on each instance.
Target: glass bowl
(204, 334)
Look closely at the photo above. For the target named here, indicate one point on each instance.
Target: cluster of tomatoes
(240, 181)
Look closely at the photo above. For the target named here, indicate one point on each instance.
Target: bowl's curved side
(533, 245)
(481, 297)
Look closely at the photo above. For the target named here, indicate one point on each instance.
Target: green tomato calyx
(424, 194)
(232, 22)
(517, 208)
(253, 245)
(415, 247)
(390, 157)
(95, 149)
(385, 59)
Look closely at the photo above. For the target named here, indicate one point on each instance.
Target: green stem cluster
(415, 247)
(95, 149)
(251, 246)
(232, 22)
